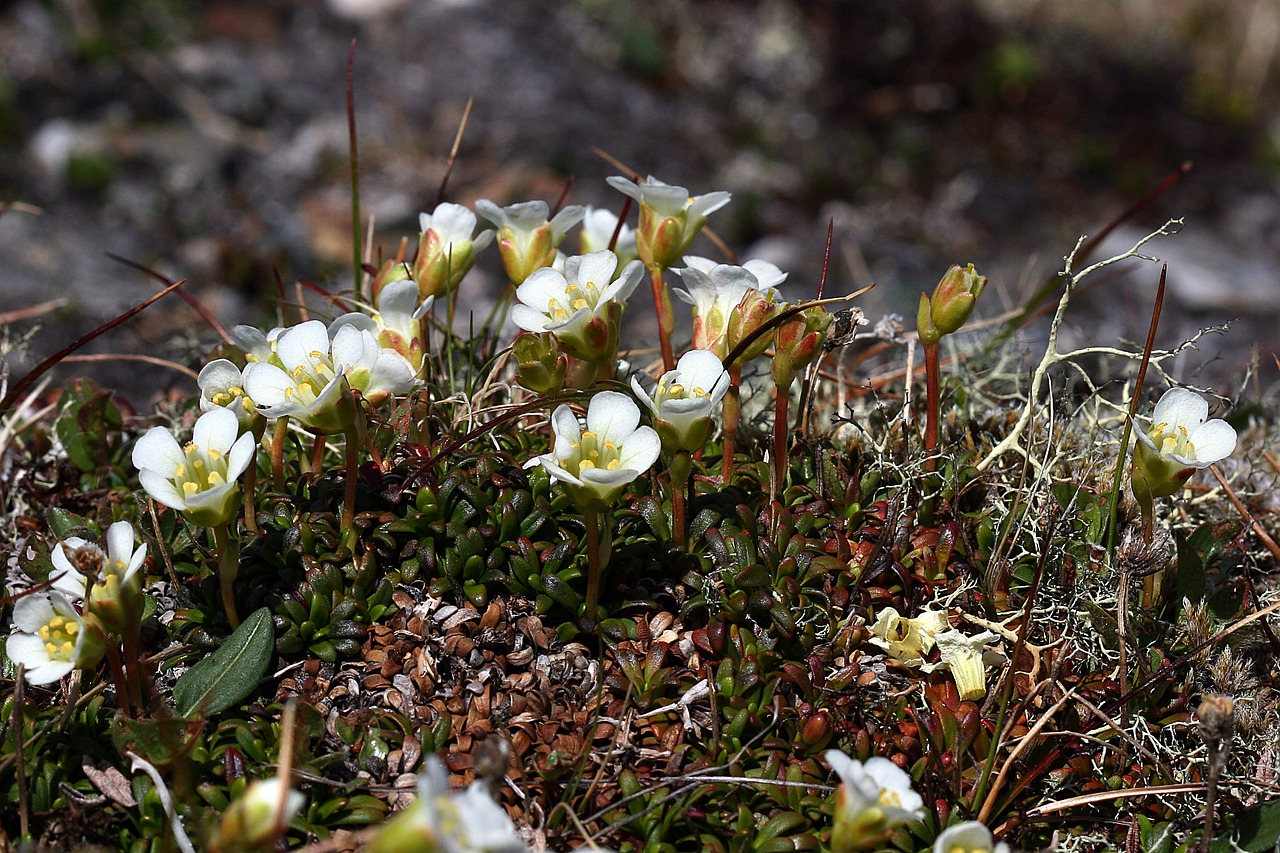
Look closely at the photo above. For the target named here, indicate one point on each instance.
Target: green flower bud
(954, 298)
(541, 367)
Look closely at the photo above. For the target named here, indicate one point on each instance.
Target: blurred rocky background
(208, 140)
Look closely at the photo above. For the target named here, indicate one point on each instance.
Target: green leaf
(1256, 829)
(65, 524)
(1191, 585)
(232, 672)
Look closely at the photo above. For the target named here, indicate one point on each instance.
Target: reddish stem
(732, 414)
(666, 316)
(932, 404)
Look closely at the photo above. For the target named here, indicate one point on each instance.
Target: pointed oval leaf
(231, 673)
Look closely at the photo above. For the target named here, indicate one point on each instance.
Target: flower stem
(732, 414)
(932, 405)
(680, 468)
(277, 453)
(228, 568)
(249, 484)
(782, 383)
(595, 567)
(666, 315)
(351, 457)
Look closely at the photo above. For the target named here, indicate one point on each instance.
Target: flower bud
(257, 817)
(756, 308)
(540, 366)
(446, 249)
(801, 337)
(391, 270)
(954, 298)
(927, 331)
(527, 239)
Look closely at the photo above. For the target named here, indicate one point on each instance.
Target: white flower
(965, 657)
(873, 797)
(446, 249)
(1180, 432)
(305, 384)
(376, 371)
(256, 344)
(453, 225)
(596, 463)
(52, 638)
(109, 583)
(907, 640)
(82, 564)
(685, 398)
(669, 217)
(441, 821)
(526, 238)
(768, 276)
(199, 480)
(968, 837)
(597, 230)
(729, 303)
(576, 305)
(222, 387)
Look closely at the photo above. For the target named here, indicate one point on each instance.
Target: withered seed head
(1216, 717)
(1141, 558)
(88, 559)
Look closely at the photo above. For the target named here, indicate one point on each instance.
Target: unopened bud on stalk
(257, 817)
(801, 337)
(952, 303)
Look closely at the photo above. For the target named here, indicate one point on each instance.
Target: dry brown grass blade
(145, 359)
(453, 151)
(196, 304)
(19, 388)
(32, 311)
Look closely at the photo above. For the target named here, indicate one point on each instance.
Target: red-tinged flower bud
(801, 337)
(756, 308)
(954, 298)
(391, 270)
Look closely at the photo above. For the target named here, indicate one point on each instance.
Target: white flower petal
(613, 417)
(267, 385)
(542, 287)
(241, 456)
(32, 612)
(1180, 407)
(216, 430)
(608, 479)
(640, 450)
(565, 425)
(1213, 440)
(643, 395)
(297, 345)
(218, 375)
(120, 541)
(557, 473)
(157, 450)
(528, 319)
(596, 268)
(161, 489)
(970, 836)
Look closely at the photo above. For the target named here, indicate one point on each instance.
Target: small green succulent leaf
(231, 673)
